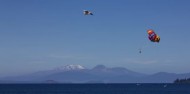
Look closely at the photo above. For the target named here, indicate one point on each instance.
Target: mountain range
(98, 74)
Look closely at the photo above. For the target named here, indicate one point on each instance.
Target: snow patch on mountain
(69, 68)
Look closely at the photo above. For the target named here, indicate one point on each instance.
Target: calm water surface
(94, 88)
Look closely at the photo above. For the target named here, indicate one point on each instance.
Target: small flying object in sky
(86, 12)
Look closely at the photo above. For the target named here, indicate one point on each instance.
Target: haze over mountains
(98, 74)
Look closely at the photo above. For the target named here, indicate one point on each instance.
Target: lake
(95, 88)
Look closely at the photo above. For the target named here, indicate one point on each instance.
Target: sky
(40, 35)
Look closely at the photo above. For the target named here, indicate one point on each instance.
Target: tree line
(186, 80)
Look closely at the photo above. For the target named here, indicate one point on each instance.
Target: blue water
(94, 88)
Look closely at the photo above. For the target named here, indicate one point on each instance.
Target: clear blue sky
(44, 34)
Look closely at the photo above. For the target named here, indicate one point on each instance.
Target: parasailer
(153, 36)
(86, 12)
(140, 51)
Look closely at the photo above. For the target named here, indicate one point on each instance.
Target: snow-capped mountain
(69, 68)
(100, 73)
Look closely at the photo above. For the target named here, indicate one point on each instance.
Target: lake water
(94, 88)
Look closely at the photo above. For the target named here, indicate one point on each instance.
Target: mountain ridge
(100, 73)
